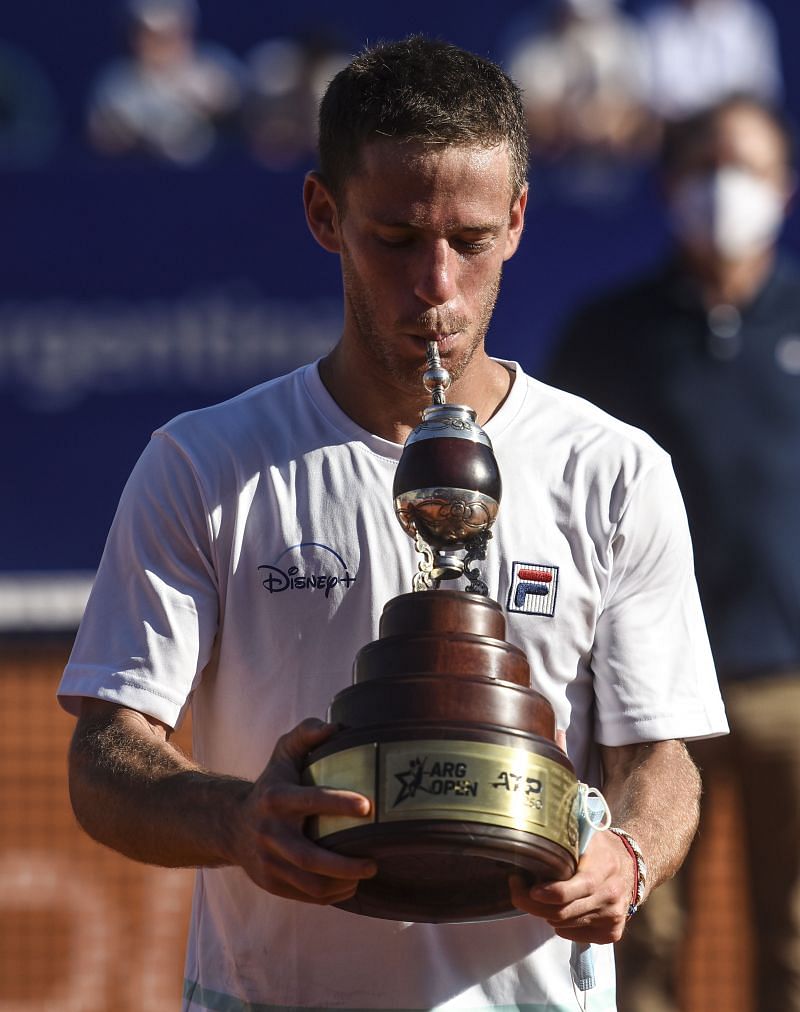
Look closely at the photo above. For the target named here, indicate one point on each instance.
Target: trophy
(440, 728)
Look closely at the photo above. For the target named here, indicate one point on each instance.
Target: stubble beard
(376, 345)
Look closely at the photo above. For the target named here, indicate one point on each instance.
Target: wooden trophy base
(456, 752)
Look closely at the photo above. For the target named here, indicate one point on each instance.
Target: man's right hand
(270, 843)
(132, 790)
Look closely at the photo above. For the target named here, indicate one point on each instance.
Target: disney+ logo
(318, 574)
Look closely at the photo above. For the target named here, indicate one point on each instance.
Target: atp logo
(533, 589)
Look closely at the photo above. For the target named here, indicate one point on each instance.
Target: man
(421, 193)
(705, 355)
(173, 97)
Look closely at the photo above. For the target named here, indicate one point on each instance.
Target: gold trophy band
(450, 780)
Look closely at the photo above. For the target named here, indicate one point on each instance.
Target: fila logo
(533, 589)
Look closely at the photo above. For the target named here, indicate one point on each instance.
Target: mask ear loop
(594, 816)
(593, 813)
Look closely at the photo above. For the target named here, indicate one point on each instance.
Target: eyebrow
(483, 228)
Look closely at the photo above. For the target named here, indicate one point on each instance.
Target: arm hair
(653, 790)
(134, 791)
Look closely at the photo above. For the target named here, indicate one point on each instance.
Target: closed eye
(461, 244)
(395, 242)
(473, 245)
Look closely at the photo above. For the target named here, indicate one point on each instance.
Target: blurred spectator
(172, 96)
(287, 78)
(29, 117)
(705, 355)
(583, 80)
(701, 51)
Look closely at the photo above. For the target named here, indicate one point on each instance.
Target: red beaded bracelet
(640, 877)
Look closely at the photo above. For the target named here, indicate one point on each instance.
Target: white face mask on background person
(731, 211)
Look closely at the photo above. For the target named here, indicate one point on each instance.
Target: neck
(730, 282)
(387, 408)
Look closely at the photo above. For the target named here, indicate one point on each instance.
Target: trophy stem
(436, 378)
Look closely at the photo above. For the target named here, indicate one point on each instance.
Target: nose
(435, 273)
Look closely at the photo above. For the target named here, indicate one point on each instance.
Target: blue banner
(132, 289)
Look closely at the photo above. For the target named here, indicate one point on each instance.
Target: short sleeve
(151, 619)
(652, 664)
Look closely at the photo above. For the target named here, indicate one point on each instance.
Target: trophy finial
(447, 486)
(436, 378)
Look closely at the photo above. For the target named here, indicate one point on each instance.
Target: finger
(288, 893)
(284, 880)
(580, 922)
(317, 888)
(545, 896)
(299, 852)
(588, 881)
(521, 898)
(579, 914)
(287, 799)
(526, 898)
(577, 922)
(558, 894)
(297, 743)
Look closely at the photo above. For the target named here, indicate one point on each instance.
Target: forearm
(653, 791)
(134, 791)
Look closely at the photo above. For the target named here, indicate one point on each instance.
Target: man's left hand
(592, 906)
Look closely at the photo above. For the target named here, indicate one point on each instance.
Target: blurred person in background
(287, 78)
(699, 52)
(172, 97)
(704, 354)
(583, 82)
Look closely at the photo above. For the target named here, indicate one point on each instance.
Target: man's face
(423, 232)
(729, 191)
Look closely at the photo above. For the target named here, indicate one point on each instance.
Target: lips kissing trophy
(440, 728)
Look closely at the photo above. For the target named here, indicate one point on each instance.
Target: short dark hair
(423, 90)
(681, 136)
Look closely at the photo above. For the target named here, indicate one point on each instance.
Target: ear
(322, 214)
(516, 224)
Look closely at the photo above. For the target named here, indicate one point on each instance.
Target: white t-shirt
(253, 550)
